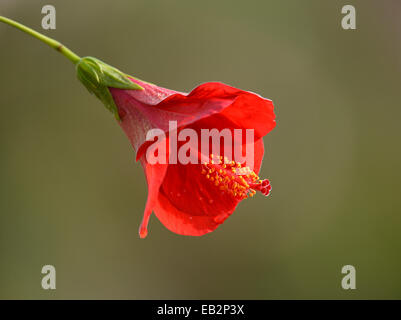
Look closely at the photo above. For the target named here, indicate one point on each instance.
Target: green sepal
(98, 77)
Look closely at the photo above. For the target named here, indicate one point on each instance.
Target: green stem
(49, 41)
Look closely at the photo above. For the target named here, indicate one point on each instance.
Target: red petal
(154, 176)
(185, 224)
(140, 110)
(188, 204)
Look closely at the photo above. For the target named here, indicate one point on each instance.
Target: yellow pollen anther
(231, 177)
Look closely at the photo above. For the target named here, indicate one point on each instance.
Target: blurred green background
(72, 195)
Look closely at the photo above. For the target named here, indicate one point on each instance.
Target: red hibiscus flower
(189, 199)
(194, 199)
